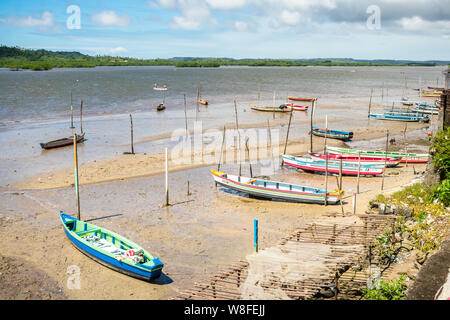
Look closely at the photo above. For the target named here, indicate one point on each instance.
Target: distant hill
(18, 58)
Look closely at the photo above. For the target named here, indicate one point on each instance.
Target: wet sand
(196, 236)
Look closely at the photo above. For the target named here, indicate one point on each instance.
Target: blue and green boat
(111, 250)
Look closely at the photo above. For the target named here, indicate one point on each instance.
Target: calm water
(28, 95)
(35, 106)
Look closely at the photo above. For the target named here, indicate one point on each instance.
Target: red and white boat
(302, 99)
(390, 162)
(296, 107)
(351, 169)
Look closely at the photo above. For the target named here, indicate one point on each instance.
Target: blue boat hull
(115, 264)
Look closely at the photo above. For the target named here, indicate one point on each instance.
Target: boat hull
(270, 109)
(321, 167)
(61, 142)
(111, 262)
(390, 163)
(405, 157)
(270, 193)
(333, 134)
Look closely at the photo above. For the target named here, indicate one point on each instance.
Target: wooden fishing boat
(296, 107)
(160, 107)
(334, 134)
(301, 99)
(431, 94)
(270, 109)
(110, 249)
(312, 165)
(62, 142)
(405, 157)
(276, 190)
(393, 117)
(203, 102)
(155, 87)
(390, 162)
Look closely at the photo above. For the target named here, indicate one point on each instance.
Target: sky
(278, 29)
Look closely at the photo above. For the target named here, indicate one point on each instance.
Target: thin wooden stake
(311, 129)
(81, 117)
(271, 149)
(255, 233)
(185, 115)
(77, 193)
(239, 137)
(167, 177)
(326, 177)
(359, 172)
(287, 134)
(326, 133)
(385, 159)
(71, 110)
(221, 149)
(248, 157)
(406, 144)
(370, 102)
(354, 203)
(131, 128)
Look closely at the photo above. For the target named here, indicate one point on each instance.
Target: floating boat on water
(394, 117)
(110, 249)
(203, 102)
(308, 164)
(271, 109)
(301, 99)
(155, 87)
(296, 107)
(62, 142)
(390, 162)
(275, 190)
(334, 134)
(405, 157)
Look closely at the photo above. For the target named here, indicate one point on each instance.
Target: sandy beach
(205, 228)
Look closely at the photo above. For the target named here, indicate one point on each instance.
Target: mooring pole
(131, 136)
(71, 111)
(370, 102)
(75, 157)
(255, 227)
(359, 172)
(311, 127)
(326, 134)
(81, 117)
(385, 159)
(326, 177)
(287, 134)
(167, 177)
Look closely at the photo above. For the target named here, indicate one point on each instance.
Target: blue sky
(361, 29)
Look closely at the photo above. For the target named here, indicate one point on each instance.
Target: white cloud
(110, 18)
(240, 26)
(194, 13)
(416, 23)
(46, 20)
(290, 17)
(226, 4)
(118, 50)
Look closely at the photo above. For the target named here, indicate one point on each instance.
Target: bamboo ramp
(303, 265)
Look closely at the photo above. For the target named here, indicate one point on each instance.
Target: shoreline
(148, 164)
